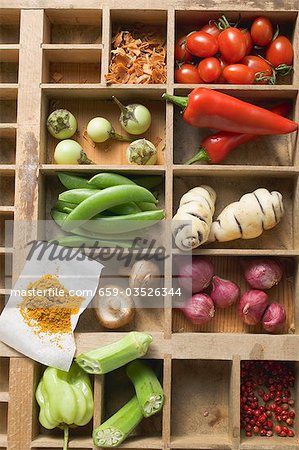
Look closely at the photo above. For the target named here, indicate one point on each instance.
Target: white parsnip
(249, 217)
(192, 223)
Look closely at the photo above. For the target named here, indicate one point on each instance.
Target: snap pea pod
(72, 181)
(124, 224)
(146, 206)
(59, 217)
(103, 200)
(76, 241)
(106, 179)
(77, 195)
(126, 208)
(148, 181)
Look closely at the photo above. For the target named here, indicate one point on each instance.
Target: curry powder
(49, 312)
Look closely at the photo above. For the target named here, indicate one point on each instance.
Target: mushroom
(145, 274)
(114, 311)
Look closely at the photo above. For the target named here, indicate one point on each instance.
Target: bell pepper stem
(182, 102)
(200, 156)
(66, 437)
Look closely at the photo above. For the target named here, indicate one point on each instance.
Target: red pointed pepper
(216, 147)
(206, 108)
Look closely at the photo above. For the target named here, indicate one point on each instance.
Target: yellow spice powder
(51, 310)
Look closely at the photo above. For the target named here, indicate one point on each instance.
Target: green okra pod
(103, 200)
(105, 359)
(147, 386)
(119, 426)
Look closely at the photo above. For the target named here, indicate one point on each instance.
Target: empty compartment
(200, 401)
(148, 32)
(118, 390)
(258, 381)
(5, 270)
(6, 230)
(9, 26)
(7, 189)
(71, 65)
(4, 375)
(228, 320)
(111, 152)
(7, 146)
(191, 20)
(3, 418)
(9, 65)
(230, 189)
(73, 26)
(276, 150)
(8, 111)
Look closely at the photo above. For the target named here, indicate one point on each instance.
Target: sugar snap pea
(73, 181)
(77, 195)
(146, 206)
(106, 179)
(76, 241)
(60, 205)
(124, 224)
(148, 181)
(103, 200)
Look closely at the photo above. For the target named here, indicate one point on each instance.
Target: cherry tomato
(202, 44)
(187, 74)
(261, 31)
(248, 40)
(232, 44)
(212, 29)
(181, 53)
(209, 69)
(280, 51)
(238, 74)
(259, 66)
(223, 64)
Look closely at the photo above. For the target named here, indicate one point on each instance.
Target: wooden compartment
(228, 320)
(5, 271)
(9, 26)
(7, 189)
(111, 152)
(8, 111)
(137, 19)
(64, 63)
(6, 229)
(192, 20)
(7, 146)
(280, 150)
(200, 402)
(73, 26)
(230, 189)
(9, 63)
(275, 442)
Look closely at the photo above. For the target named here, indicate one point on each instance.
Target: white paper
(56, 350)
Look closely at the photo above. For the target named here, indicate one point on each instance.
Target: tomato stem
(182, 102)
(202, 156)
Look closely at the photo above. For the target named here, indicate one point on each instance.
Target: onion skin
(252, 306)
(274, 318)
(196, 275)
(199, 309)
(262, 273)
(224, 292)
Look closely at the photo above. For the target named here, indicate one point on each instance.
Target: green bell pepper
(65, 398)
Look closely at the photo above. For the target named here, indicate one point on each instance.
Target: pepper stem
(66, 437)
(182, 102)
(122, 107)
(199, 156)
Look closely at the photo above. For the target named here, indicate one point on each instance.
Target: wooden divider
(52, 68)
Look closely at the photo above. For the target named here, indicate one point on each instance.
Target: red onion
(224, 292)
(252, 306)
(199, 309)
(196, 274)
(274, 317)
(262, 273)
